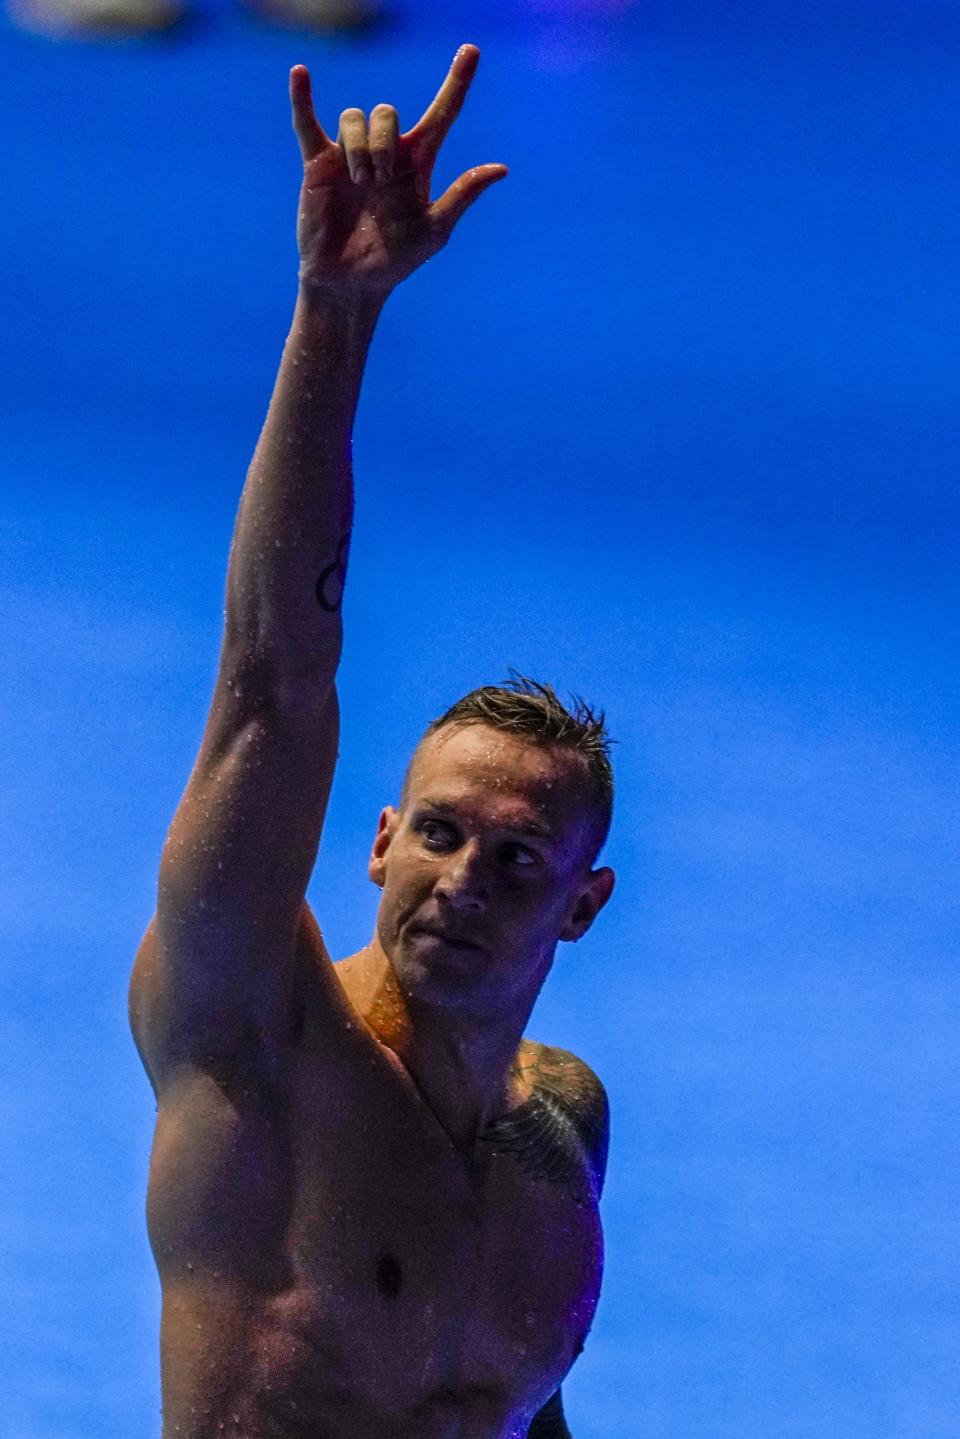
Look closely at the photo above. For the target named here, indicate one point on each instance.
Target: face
(487, 863)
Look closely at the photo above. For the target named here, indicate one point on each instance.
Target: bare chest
(333, 1264)
(418, 1269)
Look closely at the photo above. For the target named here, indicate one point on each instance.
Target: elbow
(273, 668)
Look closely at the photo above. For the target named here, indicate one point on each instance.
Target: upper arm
(216, 967)
(591, 1115)
(244, 837)
(584, 1100)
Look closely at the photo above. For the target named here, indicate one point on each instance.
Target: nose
(462, 885)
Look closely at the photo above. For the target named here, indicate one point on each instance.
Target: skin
(483, 870)
(372, 1200)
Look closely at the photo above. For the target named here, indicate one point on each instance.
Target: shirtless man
(372, 1202)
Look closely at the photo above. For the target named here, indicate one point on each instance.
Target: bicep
(215, 972)
(244, 837)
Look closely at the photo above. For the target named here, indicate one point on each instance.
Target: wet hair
(533, 711)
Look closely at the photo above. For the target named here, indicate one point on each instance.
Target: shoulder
(559, 1075)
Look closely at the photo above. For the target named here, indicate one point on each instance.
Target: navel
(389, 1275)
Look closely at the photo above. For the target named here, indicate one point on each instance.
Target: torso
(334, 1266)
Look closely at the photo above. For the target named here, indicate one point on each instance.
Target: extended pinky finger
(307, 128)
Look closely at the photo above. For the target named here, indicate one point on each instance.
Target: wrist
(357, 310)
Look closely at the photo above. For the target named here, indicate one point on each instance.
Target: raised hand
(366, 220)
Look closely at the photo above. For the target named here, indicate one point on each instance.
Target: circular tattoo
(332, 580)
(389, 1275)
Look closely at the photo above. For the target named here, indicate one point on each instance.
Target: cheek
(405, 880)
(391, 910)
(532, 907)
(548, 910)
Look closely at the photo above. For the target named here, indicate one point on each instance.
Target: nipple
(389, 1276)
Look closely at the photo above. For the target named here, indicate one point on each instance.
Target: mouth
(443, 936)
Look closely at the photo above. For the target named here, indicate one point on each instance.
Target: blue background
(671, 423)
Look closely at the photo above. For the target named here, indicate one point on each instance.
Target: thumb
(469, 187)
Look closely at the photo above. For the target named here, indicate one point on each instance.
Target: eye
(517, 857)
(436, 834)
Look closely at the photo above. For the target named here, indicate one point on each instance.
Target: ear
(593, 895)
(386, 829)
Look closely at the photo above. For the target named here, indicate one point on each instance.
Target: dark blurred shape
(126, 19)
(95, 19)
(322, 16)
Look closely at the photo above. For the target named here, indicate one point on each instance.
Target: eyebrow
(530, 827)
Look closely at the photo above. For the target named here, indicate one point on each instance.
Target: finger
(384, 128)
(460, 196)
(310, 134)
(353, 137)
(431, 129)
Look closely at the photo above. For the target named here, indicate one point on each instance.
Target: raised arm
(215, 969)
(365, 223)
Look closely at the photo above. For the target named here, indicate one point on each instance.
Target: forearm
(364, 223)
(287, 558)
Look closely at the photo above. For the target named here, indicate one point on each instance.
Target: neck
(462, 1062)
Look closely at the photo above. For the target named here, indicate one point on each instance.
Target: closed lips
(447, 938)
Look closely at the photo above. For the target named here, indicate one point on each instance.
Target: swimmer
(373, 1202)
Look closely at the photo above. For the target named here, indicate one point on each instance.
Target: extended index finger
(432, 127)
(307, 128)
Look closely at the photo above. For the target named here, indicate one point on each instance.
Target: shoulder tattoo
(561, 1133)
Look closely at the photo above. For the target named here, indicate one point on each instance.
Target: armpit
(549, 1422)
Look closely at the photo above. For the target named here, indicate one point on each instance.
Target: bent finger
(353, 137)
(446, 211)
(311, 135)
(384, 129)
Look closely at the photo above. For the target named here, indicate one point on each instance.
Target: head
(489, 860)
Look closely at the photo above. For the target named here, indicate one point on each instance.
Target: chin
(442, 977)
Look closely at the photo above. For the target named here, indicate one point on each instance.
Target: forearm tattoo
(332, 580)
(561, 1132)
